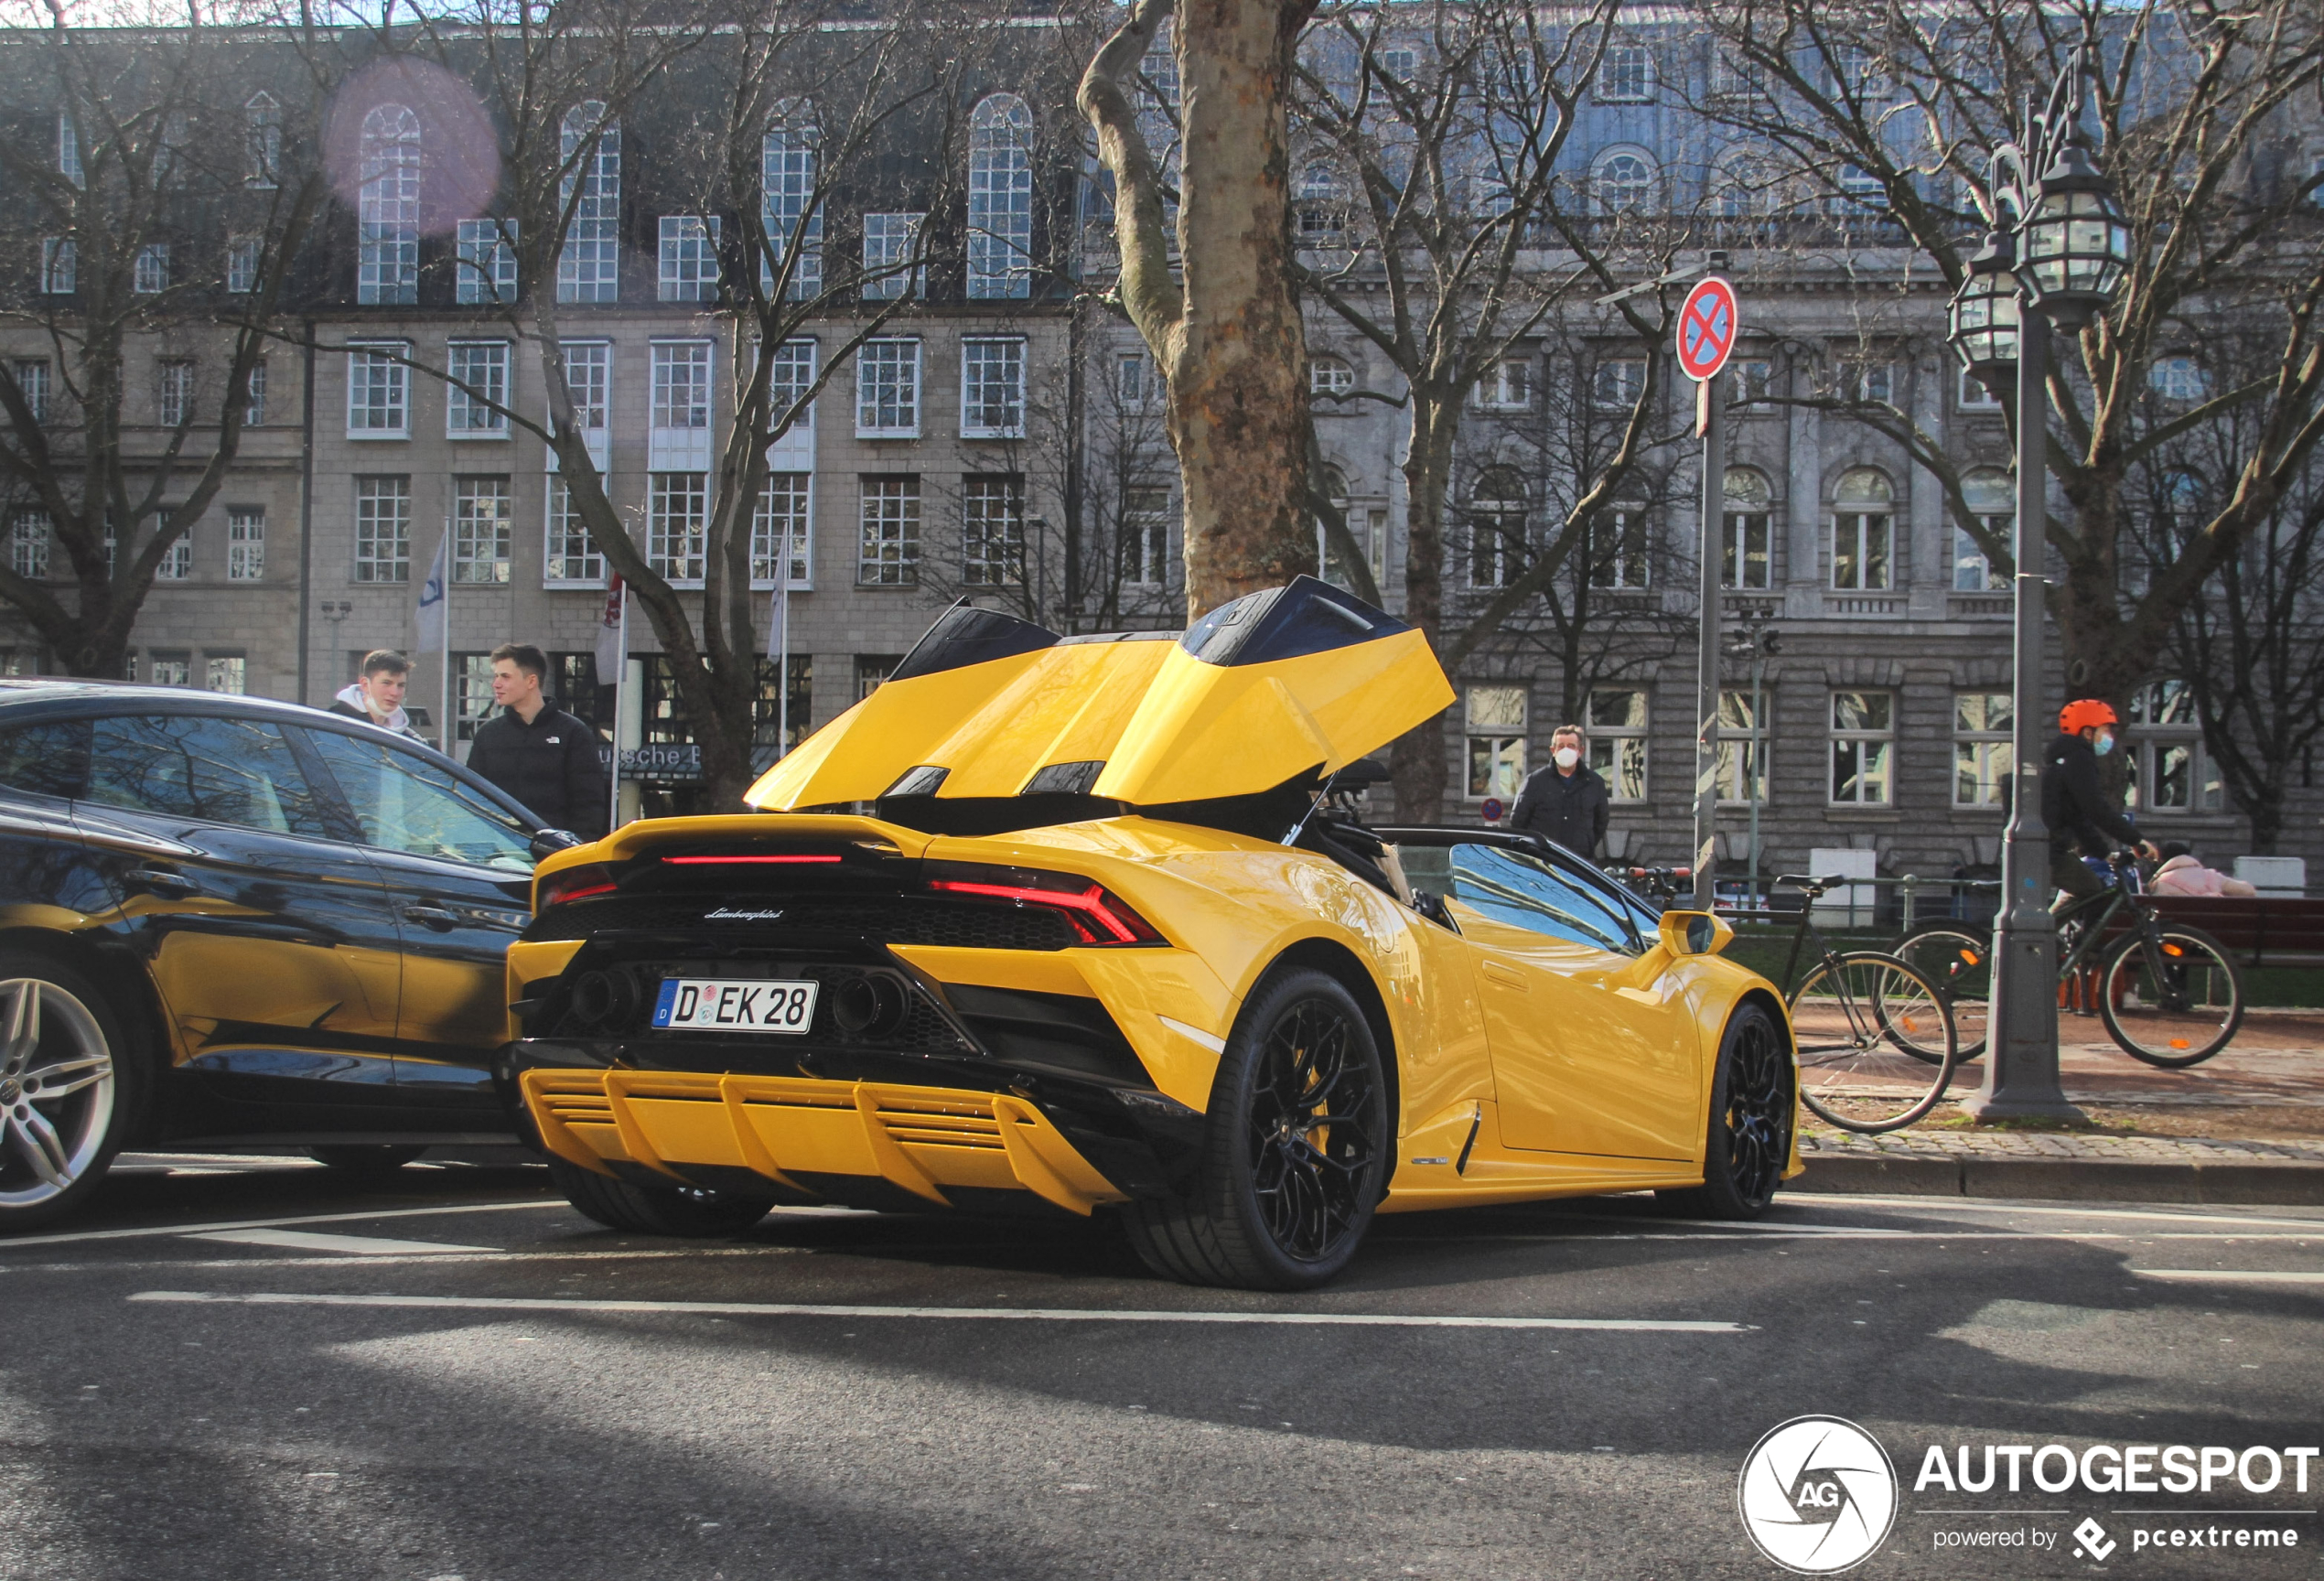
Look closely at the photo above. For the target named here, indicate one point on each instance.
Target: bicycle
(2167, 992)
(1875, 1040)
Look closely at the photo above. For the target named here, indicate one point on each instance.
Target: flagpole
(451, 726)
(782, 660)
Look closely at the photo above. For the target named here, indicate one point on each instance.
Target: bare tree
(170, 194)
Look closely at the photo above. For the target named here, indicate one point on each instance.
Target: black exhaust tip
(870, 1006)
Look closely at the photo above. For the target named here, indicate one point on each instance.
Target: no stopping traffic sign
(1707, 326)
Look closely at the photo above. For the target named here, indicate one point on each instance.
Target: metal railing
(1889, 905)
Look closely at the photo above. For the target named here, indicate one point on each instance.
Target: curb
(2290, 1184)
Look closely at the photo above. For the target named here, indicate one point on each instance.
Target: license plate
(724, 1005)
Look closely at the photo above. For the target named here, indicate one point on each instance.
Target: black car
(226, 921)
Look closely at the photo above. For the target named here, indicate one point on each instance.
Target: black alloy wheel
(1753, 1108)
(1296, 1150)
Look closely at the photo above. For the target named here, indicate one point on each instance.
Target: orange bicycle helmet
(2082, 713)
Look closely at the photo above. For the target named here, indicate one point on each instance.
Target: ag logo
(1817, 1495)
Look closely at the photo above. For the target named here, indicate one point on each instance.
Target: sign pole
(1708, 322)
(620, 675)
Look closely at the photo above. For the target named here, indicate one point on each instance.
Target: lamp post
(2056, 254)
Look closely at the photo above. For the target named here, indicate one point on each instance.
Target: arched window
(1000, 199)
(1322, 203)
(788, 168)
(1991, 496)
(1496, 527)
(262, 141)
(1746, 532)
(1743, 184)
(1863, 531)
(388, 208)
(1328, 375)
(1624, 181)
(590, 268)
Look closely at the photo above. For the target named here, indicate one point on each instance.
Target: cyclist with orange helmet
(2075, 806)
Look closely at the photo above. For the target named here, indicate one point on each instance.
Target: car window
(1524, 893)
(48, 759)
(217, 770)
(405, 804)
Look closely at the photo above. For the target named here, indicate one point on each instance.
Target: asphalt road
(455, 1376)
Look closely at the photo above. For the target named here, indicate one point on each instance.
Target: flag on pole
(777, 625)
(429, 618)
(609, 654)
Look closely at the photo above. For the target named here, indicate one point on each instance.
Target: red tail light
(1097, 915)
(574, 884)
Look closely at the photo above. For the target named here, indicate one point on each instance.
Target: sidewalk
(2245, 1126)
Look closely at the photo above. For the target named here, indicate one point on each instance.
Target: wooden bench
(2258, 932)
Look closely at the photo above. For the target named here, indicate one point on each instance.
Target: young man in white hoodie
(378, 695)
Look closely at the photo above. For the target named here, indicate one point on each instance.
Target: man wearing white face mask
(1567, 801)
(2074, 804)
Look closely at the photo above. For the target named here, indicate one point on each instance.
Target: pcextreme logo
(1817, 1495)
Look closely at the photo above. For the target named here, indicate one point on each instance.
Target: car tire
(73, 1081)
(694, 1212)
(1295, 1148)
(364, 1157)
(1754, 1106)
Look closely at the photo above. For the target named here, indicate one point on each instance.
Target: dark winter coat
(1570, 809)
(550, 765)
(2074, 805)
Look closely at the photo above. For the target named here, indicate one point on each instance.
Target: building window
(2177, 379)
(690, 258)
(1975, 395)
(1146, 536)
(1496, 528)
(176, 562)
(1862, 523)
(1754, 378)
(1745, 533)
(254, 397)
(1496, 721)
(149, 274)
(992, 389)
(475, 397)
(227, 672)
(176, 395)
(1863, 735)
(382, 530)
(1992, 499)
(28, 544)
(872, 669)
(1626, 74)
(31, 376)
(262, 141)
(59, 265)
(569, 558)
(2171, 773)
(165, 668)
(377, 394)
(246, 544)
(590, 268)
(791, 375)
(242, 265)
(471, 694)
(887, 390)
(1617, 384)
(68, 148)
(1617, 741)
(681, 385)
(1618, 547)
(1322, 205)
(892, 269)
(387, 269)
(487, 262)
(1508, 386)
(588, 380)
(1134, 381)
(1000, 199)
(789, 208)
(1623, 181)
(1982, 725)
(1327, 376)
(1867, 382)
(784, 526)
(678, 525)
(889, 555)
(1740, 762)
(993, 532)
(480, 517)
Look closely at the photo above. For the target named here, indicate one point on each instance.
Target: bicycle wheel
(1958, 960)
(1854, 1016)
(2176, 1008)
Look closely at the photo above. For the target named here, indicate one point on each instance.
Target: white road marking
(2232, 1276)
(2067, 1235)
(244, 1265)
(1003, 1314)
(309, 1241)
(161, 1230)
(1971, 1205)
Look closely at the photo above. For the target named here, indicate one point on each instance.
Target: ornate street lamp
(2058, 252)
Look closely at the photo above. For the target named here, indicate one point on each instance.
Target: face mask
(1567, 757)
(2103, 745)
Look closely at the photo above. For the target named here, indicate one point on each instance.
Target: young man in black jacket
(2079, 814)
(537, 752)
(1567, 800)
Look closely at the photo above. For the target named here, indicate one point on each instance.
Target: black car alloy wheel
(1310, 1122)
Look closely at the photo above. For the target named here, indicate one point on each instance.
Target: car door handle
(1506, 974)
(433, 916)
(160, 878)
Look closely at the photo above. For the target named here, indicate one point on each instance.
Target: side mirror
(1694, 933)
(547, 843)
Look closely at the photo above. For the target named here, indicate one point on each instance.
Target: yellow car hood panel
(1262, 690)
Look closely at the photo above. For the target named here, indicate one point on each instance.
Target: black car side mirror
(547, 843)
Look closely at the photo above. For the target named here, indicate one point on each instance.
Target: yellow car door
(1586, 1058)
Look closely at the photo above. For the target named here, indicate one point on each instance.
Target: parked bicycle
(1877, 1045)
(2167, 992)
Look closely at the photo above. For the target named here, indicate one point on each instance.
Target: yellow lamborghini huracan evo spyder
(1113, 936)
